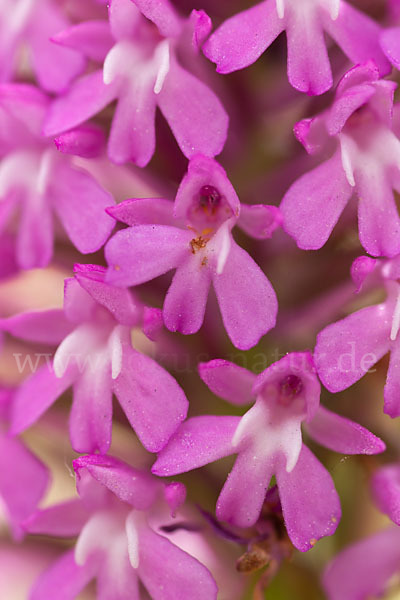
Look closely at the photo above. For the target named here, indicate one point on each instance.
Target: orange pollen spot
(197, 244)
(313, 541)
(117, 268)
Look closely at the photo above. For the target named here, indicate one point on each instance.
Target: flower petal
(228, 381)
(342, 435)
(259, 220)
(357, 35)
(386, 490)
(198, 441)
(141, 253)
(86, 97)
(143, 211)
(151, 398)
(169, 573)
(90, 419)
(93, 39)
(23, 481)
(35, 395)
(119, 302)
(391, 392)
(363, 569)
(244, 37)
(313, 204)
(63, 520)
(347, 349)
(390, 42)
(196, 116)
(137, 488)
(308, 64)
(79, 201)
(64, 579)
(310, 504)
(186, 299)
(43, 326)
(246, 299)
(243, 494)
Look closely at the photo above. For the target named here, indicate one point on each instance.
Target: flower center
(209, 199)
(289, 387)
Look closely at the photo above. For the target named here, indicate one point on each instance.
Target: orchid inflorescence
(151, 277)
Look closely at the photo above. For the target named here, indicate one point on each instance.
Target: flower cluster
(136, 271)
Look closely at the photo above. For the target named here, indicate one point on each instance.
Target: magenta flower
(240, 41)
(23, 478)
(195, 238)
(141, 71)
(32, 23)
(39, 182)
(117, 545)
(96, 357)
(366, 156)
(347, 349)
(364, 569)
(390, 38)
(268, 441)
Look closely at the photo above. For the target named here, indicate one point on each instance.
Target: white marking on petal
(45, 171)
(346, 159)
(334, 10)
(280, 8)
(162, 57)
(75, 347)
(225, 246)
(396, 319)
(131, 527)
(115, 347)
(97, 534)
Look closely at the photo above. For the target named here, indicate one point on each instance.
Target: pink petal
(308, 65)
(342, 435)
(137, 488)
(310, 504)
(391, 392)
(246, 299)
(62, 520)
(347, 349)
(163, 14)
(244, 491)
(363, 569)
(141, 253)
(79, 306)
(43, 326)
(198, 441)
(390, 42)
(386, 490)
(90, 419)
(124, 19)
(120, 302)
(313, 204)
(357, 35)
(132, 135)
(228, 381)
(186, 299)
(240, 40)
(169, 573)
(196, 116)
(151, 399)
(35, 234)
(88, 96)
(79, 201)
(64, 579)
(93, 39)
(87, 141)
(143, 211)
(35, 395)
(55, 67)
(23, 481)
(378, 218)
(259, 220)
